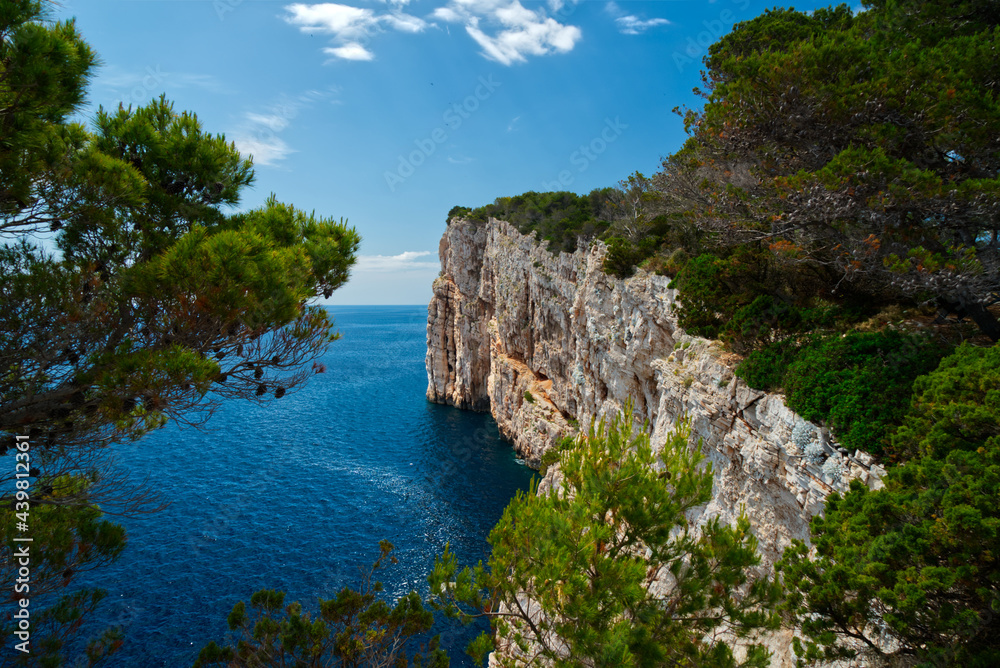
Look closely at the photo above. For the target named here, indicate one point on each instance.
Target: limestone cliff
(547, 342)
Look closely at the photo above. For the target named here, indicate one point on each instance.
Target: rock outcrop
(549, 342)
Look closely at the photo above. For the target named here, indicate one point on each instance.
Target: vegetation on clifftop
(844, 167)
(563, 219)
(838, 190)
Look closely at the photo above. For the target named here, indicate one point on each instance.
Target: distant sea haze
(296, 495)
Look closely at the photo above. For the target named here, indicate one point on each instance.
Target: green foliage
(859, 384)
(569, 579)
(622, 257)
(955, 407)
(917, 557)
(714, 288)
(161, 304)
(67, 539)
(765, 369)
(549, 457)
(560, 218)
(529, 397)
(759, 323)
(45, 67)
(356, 629)
(704, 298)
(859, 147)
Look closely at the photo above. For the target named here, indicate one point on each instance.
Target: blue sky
(388, 113)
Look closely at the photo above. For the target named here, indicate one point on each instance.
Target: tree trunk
(980, 315)
(986, 321)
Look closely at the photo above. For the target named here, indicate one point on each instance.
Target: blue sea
(296, 495)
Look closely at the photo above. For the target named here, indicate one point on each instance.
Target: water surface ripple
(295, 495)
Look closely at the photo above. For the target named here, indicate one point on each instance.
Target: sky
(387, 113)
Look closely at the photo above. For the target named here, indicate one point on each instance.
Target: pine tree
(160, 303)
(606, 570)
(356, 629)
(915, 562)
(862, 147)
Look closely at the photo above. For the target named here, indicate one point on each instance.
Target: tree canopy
(356, 629)
(560, 218)
(132, 292)
(911, 569)
(862, 146)
(606, 570)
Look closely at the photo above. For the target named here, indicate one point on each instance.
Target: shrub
(458, 212)
(914, 561)
(759, 323)
(765, 369)
(560, 218)
(955, 407)
(622, 257)
(704, 298)
(859, 384)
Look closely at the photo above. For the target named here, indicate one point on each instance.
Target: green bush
(705, 301)
(957, 407)
(458, 212)
(560, 218)
(859, 384)
(759, 323)
(622, 257)
(765, 369)
(915, 560)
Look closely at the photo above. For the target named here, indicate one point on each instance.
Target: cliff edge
(548, 342)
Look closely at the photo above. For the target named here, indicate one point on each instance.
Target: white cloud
(274, 121)
(264, 150)
(339, 20)
(629, 24)
(351, 28)
(405, 261)
(350, 51)
(632, 25)
(257, 134)
(447, 14)
(404, 22)
(508, 32)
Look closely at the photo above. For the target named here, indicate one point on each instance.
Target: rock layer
(548, 342)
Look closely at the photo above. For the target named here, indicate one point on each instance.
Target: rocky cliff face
(549, 342)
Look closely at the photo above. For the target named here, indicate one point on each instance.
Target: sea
(297, 493)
